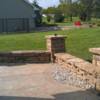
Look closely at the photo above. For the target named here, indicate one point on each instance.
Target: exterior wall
(17, 9)
(14, 25)
(32, 24)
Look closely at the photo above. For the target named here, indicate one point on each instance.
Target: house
(16, 15)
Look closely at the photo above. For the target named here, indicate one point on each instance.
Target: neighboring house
(16, 15)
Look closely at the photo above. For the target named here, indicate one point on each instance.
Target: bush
(98, 23)
(38, 18)
(48, 18)
(83, 17)
(44, 24)
(58, 17)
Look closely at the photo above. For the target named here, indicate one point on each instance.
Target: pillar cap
(95, 50)
(55, 36)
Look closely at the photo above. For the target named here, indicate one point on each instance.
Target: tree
(49, 18)
(65, 1)
(49, 10)
(87, 8)
(96, 8)
(58, 16)
(69, 8)
(38, 14)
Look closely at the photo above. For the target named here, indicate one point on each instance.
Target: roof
(36, 7)
(27, 1)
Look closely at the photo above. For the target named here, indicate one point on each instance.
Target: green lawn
(65, 23)
(77, 43)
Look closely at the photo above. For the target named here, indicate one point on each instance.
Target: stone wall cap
(56, 36)
(29, 51)
(24, 51)
(95, 50)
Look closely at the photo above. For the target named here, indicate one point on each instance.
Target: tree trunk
(71, 18)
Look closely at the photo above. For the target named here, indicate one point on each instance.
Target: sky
(47, 3)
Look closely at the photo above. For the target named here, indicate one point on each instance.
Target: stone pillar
(96, 63)
(56, 44)
(98, 84)
(96, 56)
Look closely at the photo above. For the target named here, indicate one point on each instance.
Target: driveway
(35, 82)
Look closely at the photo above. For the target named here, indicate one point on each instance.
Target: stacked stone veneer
(84, 70)
(25, 56)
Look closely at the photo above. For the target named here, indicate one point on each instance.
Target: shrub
(98, 23)
(48, 18)
(58, 17)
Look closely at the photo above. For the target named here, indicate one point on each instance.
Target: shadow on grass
(89, 60)
(44, 28)
(15, 33)
(78, 95)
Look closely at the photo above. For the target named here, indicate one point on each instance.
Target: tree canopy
(85, 9)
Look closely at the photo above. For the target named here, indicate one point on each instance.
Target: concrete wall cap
(55, 36)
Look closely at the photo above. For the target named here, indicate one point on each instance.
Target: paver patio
(35, 82)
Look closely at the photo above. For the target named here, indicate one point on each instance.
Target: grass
(77, 43)
(65, 23)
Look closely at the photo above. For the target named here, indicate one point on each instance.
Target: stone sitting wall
(25, 57)
(84, 70)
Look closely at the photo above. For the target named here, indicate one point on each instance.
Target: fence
(14, 25)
